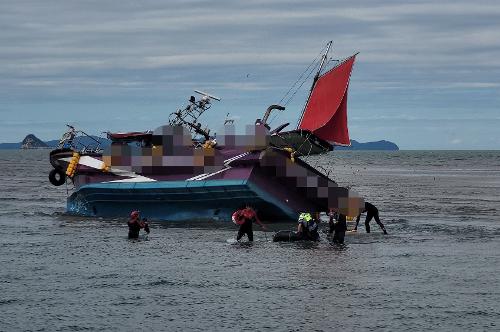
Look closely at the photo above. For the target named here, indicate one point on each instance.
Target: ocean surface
(438, 269)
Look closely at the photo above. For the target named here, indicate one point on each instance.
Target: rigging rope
(313, 69)
(289, 99)
(309, 70)
(301, 75)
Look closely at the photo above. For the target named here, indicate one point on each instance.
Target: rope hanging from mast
(323, 61)
(308, 70)
(303, 77)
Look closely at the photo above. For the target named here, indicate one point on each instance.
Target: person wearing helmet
(307, 227)
(371, 212)
(135, 225)
(245, 218)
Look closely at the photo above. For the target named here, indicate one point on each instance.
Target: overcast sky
(427, 76)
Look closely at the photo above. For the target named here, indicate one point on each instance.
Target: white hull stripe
(212, 174)
(227, 161)
(134, 177)
(98, 164)
(196, 177)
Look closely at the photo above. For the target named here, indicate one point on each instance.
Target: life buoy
(57, 177)
(237, 218)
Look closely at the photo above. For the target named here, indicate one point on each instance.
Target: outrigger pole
(323, 60)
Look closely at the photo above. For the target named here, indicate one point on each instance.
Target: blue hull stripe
(175, 200)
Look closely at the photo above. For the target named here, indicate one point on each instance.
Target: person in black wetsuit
(371, 212)
(245, 218)
(340, 227)
(331, 223)
(135, 225)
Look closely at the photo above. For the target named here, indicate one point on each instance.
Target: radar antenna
(189, 116)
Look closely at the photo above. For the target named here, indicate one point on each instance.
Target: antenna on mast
(188, 116)
(323, 60)
(207, 95)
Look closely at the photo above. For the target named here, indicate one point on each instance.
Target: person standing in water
(245, 218)
(339, 227)
(135, 225)
(371, 212)
(331, 223)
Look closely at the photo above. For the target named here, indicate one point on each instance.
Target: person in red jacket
(245, 218)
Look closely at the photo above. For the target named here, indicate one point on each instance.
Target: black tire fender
(57, 177)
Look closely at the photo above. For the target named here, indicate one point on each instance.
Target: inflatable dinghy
(289, 236)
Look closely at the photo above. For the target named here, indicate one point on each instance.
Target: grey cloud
(416, 56)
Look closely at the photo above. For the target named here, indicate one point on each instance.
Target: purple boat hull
(197, 184)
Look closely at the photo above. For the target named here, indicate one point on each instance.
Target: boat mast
(323, 60)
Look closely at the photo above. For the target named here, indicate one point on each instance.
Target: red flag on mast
(326, 112)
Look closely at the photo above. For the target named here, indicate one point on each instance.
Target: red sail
(326, 111)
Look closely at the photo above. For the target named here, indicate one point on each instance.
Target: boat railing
(79, 141)
(324, 171)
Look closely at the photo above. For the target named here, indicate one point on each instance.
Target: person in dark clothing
(145, 225)
(371, 212)
(135, 225)
(245, 218)
(331, 223)
(339, 226)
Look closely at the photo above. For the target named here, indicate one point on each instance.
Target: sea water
(438, 269)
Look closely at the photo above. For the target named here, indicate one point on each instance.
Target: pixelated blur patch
(256, 137)
(171, 150)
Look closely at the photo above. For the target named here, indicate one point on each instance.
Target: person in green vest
(307, 227)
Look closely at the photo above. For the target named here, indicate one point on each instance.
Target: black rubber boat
(289, 236)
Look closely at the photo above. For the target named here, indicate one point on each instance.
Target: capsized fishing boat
(182, 172)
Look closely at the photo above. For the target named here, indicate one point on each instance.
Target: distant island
(32, 142)
(378, 145)
(29, 142)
